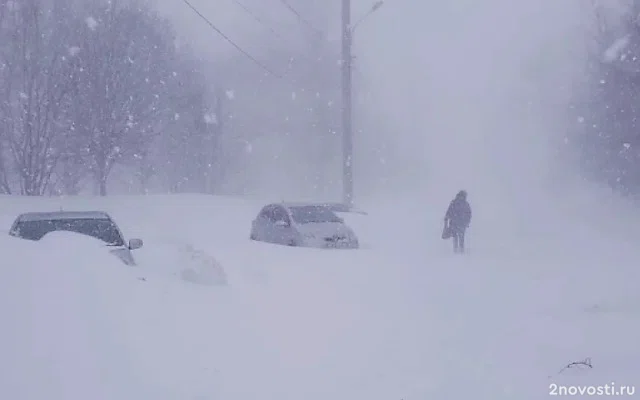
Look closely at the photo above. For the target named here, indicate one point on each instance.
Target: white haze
(450, 94)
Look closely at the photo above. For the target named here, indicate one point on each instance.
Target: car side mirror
(135, 244)
(281, 223)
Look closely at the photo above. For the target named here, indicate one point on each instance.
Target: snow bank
(79, 324)
(182, 261)
(58, 305)
(400, 318)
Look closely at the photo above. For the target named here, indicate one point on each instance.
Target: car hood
(325, 229)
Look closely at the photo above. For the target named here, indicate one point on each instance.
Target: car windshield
(313, 214)
(103, 229)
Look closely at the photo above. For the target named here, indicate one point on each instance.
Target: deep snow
(401, 318)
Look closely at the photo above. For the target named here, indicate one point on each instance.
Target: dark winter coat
(459, 212)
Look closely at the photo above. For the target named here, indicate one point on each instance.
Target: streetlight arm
(375, 7)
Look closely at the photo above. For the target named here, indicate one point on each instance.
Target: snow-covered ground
(401, 318)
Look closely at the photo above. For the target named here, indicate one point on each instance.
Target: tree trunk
(101, 172)
(102, 186)
(101, 180)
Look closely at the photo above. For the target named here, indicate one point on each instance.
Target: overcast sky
(450, 78)
(235, 21)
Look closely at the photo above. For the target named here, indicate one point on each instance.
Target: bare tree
(89, 84)
(123, 87)
(605, 139)
(36, 82)
(5, 40)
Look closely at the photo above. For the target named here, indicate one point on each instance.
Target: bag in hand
(446, 231)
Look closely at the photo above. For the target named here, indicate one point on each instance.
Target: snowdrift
(400, 318)
(79, 324)
(58, 306)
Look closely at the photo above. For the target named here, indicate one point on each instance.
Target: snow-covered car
(98, 224)
(302, 224)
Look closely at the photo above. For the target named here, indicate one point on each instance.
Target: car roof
(45, 216)
(302, 204)
(336, 207)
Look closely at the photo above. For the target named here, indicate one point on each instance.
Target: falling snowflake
(91, 23)
(627, 146)
(211, 119)
(74, 50)
(293, 95)
(230, 94)
(580, 119)
(615, 50)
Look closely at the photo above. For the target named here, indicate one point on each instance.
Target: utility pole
(347, 122)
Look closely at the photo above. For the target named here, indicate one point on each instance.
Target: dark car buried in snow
(97, 224)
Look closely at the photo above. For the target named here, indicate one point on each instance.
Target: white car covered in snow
(302, 224)
(97, 224)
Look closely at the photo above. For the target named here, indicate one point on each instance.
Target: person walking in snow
(457, 220)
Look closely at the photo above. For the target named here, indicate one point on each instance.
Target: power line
(300, 17)
(228, 39)
(257, 18)
(311, 60)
